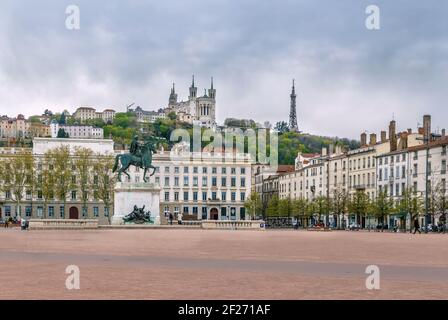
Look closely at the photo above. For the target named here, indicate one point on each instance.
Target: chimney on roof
(403, 140)
(427, 127)
(383, 136)
(392, 136)
(363, 139)
(373, 139)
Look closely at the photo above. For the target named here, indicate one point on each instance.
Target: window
(84, 211)
(186, 180)
(185, 210)
(204, 196)
(233, 196)
(50, 211)
(232, 170)
(243, 170)
(74, 179)
(223, 170)
(195, 169)
(74, 195)
(167, 196)
(7, 194)
(223, 182)
(95, 212)
(243, 182)
(204, 169)
(195, 210)
(157, 180)
(62, 211)
(176, 196)
(443, 169)
(214, 182)
(185, 169)
(224, 196)
(204, 181)
(40, 212)
(167, 180)
(185, 195)
(176, 181)
(176, 169)
(243, 196)
(167, 169)
(28, 211)
(195, 196)
(214, 170)
(233, 182)
(213, 195)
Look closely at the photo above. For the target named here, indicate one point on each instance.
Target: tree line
(25, 177)
(358, 206)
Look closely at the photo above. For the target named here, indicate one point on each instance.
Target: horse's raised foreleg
(144, 175)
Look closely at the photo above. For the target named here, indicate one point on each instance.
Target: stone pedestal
(129, 194)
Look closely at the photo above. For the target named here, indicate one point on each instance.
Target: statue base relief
(140, 194)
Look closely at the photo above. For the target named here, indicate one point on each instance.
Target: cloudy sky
(349, 79)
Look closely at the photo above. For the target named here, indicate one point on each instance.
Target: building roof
(443, 141)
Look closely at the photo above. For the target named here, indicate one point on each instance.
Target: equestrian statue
(140, 155)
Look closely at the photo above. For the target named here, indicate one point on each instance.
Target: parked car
(354, 227)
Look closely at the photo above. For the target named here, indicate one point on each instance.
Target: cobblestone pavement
(199, 264)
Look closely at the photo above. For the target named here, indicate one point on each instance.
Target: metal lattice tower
(292, 112)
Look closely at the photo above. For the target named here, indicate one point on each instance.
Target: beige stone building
(87, 113)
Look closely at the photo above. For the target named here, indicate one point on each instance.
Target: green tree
(284, 207)
(63, 173)
(62, 134)
(338, 205)
(272, 207)
(359, 205)
(46, 182)
(253, 204)
(106, 181)
(299, 208)
(281, 127)
(18, 176)
(321, 206)
(83, 161)
(383, 206)
(411, 204)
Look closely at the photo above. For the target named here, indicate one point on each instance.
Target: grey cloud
(349, 79)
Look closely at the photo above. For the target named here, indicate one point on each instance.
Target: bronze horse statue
(142, 160)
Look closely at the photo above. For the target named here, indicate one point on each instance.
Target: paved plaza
(200, 264)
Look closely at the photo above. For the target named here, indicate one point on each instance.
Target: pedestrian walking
(171, 218)
(416, 226)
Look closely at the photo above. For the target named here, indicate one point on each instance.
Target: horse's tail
(116, 163)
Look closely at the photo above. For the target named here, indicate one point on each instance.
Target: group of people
(10, 220)
(179, 218)
(439, 228)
